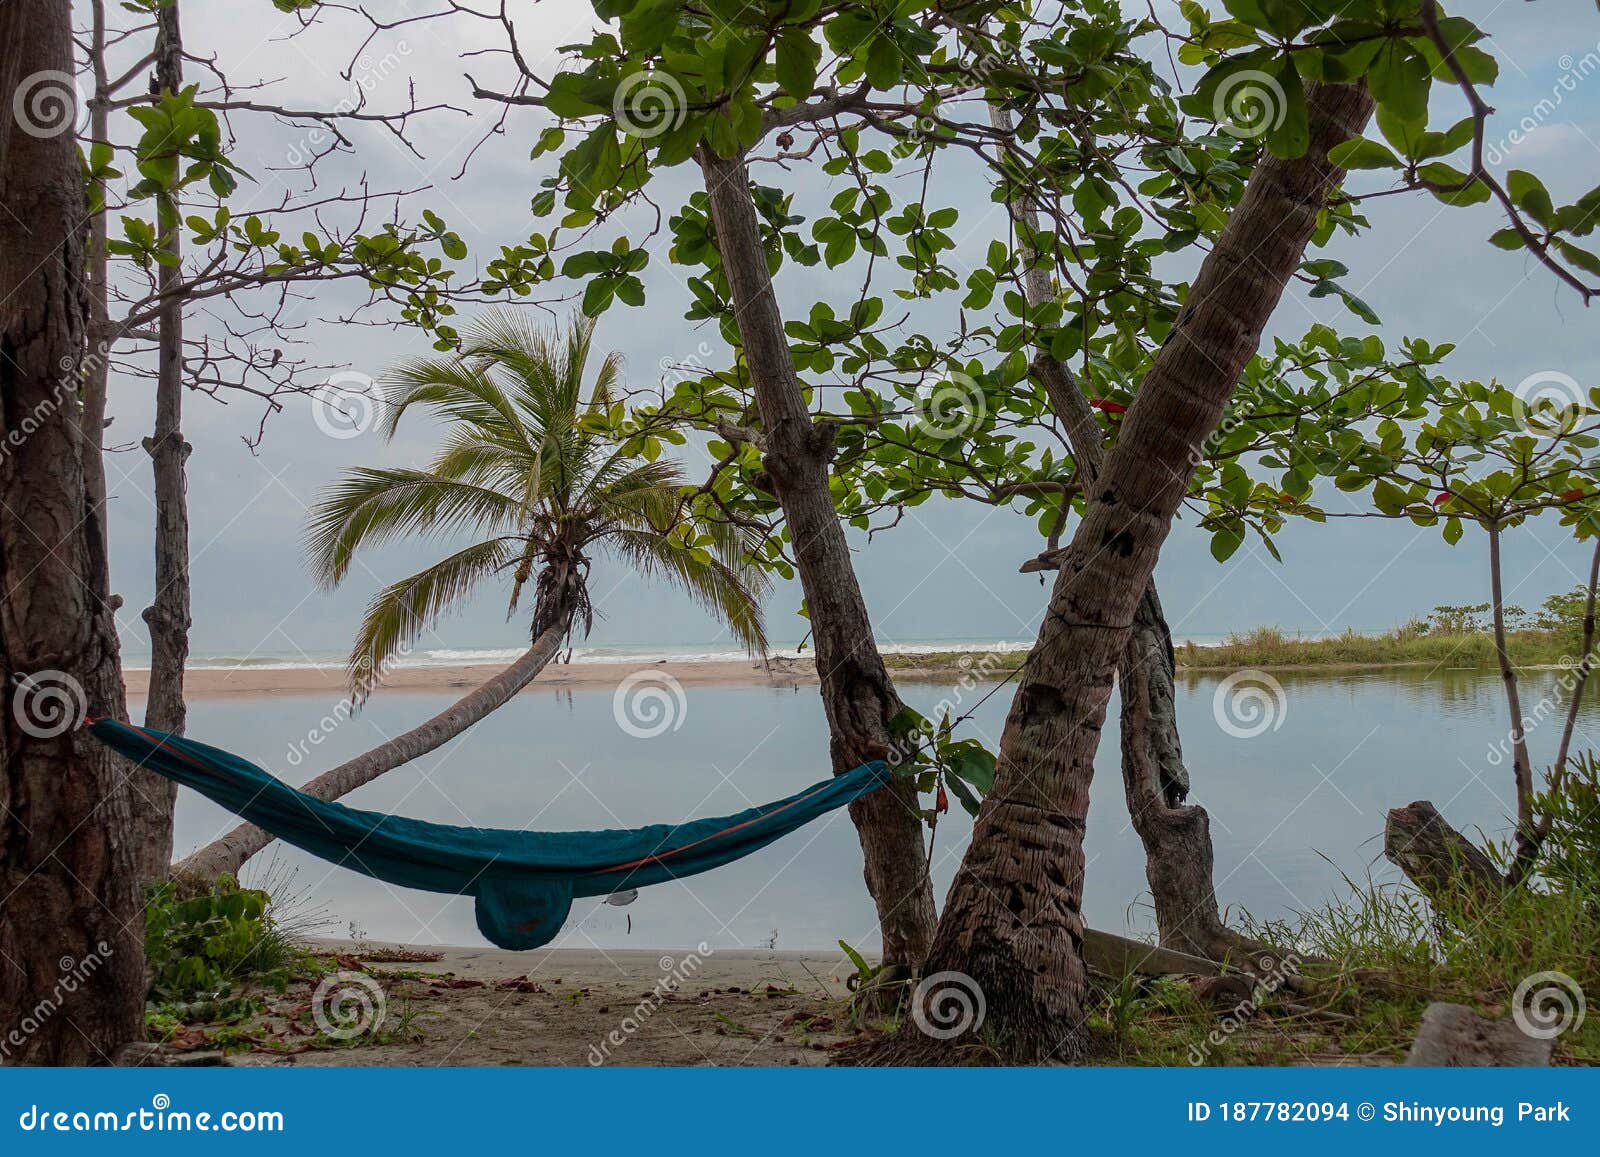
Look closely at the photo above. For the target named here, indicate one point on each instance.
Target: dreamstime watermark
(368, 75)
(346, 405)
(926, 128)
(676, 371)
(1547, 1004)
(346, 1005)
(48, 103)
(975, 670)
(1249, 703)
(1249, 104)
(945, 1005)
(953, 409)
(160, 1117)
(48, 704)
(1274, 975)
(75, 973)
(648, 104)
(1574, 71)
(649, 703)
(1572, 669)
(343, 711)
(64, 392)
(1549, 404)
(674, 974)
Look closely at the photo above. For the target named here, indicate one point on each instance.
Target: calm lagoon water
(1292, 807)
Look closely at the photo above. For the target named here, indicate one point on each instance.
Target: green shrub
(198, 946)
(1569, 860)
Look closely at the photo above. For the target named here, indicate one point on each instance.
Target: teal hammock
(524, 882)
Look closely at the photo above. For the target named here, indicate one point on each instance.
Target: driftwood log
(1452, 871)
(1454, 1035)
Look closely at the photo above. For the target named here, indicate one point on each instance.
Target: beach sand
(486, 1006)
(208, 682)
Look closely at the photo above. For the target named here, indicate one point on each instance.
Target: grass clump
(1369, 964)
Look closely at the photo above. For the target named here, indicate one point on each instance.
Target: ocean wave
(622, 654)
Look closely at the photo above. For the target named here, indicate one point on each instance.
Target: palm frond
(368, 507)
(732, 595)
(400, 612)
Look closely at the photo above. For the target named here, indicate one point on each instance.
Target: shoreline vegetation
(1445, 642)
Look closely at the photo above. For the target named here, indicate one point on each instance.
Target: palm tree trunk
(857, 694)
(167, 616)
(71, 953)
(1013, 923)
(1179, 861)
(228, 854)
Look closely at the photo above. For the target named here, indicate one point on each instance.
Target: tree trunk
(1527, 844)
(229, 853)
(71, 948)
(857, 694)
(1013, 924)
(1177, 839)
(96, 376)
(1179, 862)
(167, 616)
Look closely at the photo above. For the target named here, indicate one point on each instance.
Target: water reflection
(1291, 808)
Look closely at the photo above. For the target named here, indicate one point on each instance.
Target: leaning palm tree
(539, 494)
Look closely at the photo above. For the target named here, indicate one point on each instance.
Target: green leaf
(1225, 541)
(597, 296)
(1290, 136)
(1400, 80)
(1528, 193)
(797, 59)
(1361, 153)
(972, 763)
(647, 29)
(885, 64)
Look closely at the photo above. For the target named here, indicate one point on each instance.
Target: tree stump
(1455, 875)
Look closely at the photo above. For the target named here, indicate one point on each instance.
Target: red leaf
(1108, 407)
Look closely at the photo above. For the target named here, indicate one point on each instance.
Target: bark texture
(857, 693)
(228, 854)
(71, 943)
(1460, 881)
(167, 616)
(1013, 923)
(96, 376)
(1179, 861)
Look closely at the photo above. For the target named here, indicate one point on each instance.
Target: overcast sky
(949, 570)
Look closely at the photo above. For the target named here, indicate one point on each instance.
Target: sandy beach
(485, 1006)
(210, 682)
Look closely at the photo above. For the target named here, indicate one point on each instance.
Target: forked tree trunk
(229, 853)
(857, 694)
(1013, 923)
(1179, 861)
(71, 948)
(167, 616)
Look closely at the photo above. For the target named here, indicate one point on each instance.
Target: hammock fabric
(524, 882)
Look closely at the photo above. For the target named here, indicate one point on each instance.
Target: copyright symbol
(1365, 1111)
